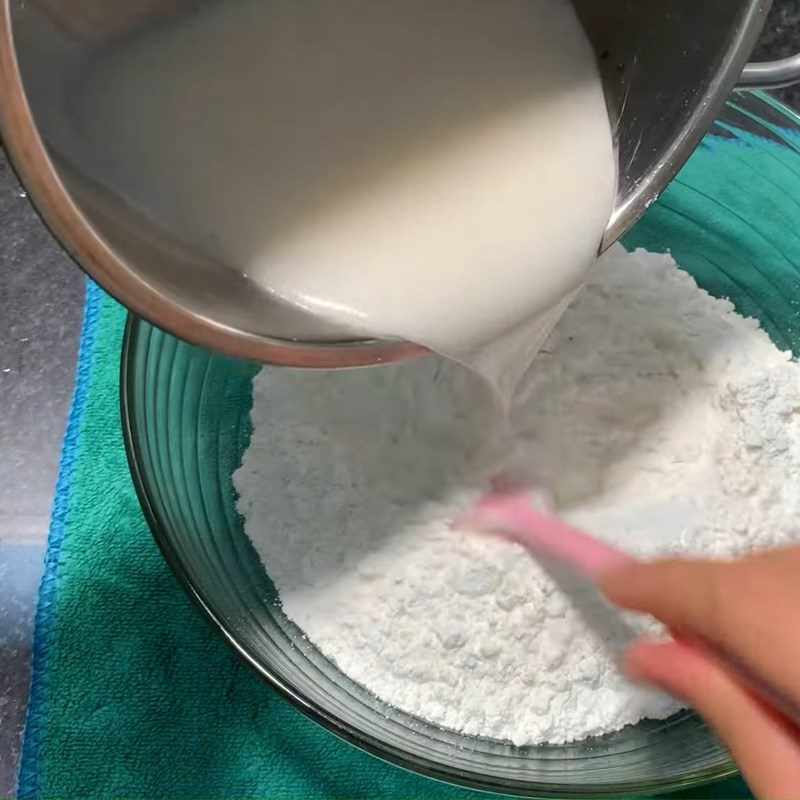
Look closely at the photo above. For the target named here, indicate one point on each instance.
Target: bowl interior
(731, 219)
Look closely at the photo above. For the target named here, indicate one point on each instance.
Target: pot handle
(771, 74)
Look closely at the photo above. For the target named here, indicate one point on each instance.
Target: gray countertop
(781, 38)
(41, 295)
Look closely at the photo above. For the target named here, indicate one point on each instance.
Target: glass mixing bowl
(732, 219)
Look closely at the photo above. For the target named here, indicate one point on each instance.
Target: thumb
(765, 744)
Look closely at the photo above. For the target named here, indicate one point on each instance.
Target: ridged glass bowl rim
(428, 767)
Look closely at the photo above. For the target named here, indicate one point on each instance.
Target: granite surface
(40, 311)
(781, 38)
(41, 294)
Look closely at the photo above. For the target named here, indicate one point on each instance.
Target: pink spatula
(514, 514)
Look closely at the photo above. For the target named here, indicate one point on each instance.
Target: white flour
(658, 418)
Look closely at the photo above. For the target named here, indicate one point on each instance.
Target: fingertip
(664, 663)
(616, 581)
(633, 665)
(646, 655)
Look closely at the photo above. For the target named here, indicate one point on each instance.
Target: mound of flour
(656, 416)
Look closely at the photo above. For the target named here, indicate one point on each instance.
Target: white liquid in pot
(437, 170)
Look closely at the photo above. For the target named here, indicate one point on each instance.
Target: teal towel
(133, 696)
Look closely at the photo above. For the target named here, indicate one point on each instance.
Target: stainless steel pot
(666, 66)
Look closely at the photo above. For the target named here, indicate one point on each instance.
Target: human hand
(748, 611)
